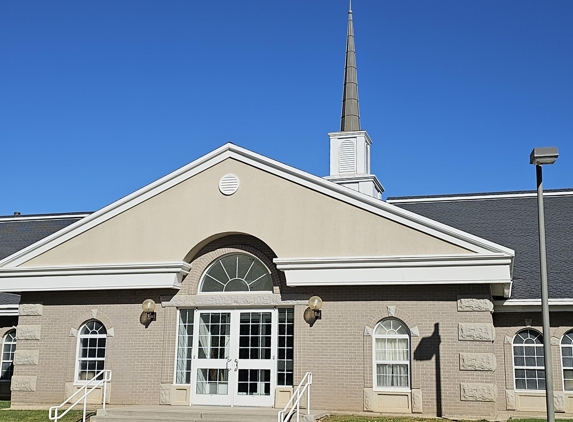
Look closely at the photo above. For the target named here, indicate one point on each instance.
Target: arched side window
(567, 360)
(391, 355)
(7, 359)
(237, 273)
(528, 360)
(92, 340)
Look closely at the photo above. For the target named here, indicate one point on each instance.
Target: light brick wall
(509, 324)
(339, 355)
(140, 358)
(336, 349)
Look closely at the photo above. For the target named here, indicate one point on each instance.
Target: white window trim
(193, 310)
(525, 367)
(4, 342)
(78, 345)
(561, 357)
(375, 362)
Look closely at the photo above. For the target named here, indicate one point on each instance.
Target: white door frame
(229, 367)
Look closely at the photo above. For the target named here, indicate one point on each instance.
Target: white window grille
(528, 360)
(237, 273)
(184, 346)
(391, 354)
(567, 360)
(285, 368)
(7, 359)
(91, 350)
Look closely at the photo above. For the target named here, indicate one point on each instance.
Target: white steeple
(350, 148)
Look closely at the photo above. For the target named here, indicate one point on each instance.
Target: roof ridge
(480, 195)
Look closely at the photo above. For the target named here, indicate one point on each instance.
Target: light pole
(539, 157)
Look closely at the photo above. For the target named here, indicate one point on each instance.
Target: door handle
(227, 364)
(236, 365)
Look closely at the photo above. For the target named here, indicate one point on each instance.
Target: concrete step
(191, 414)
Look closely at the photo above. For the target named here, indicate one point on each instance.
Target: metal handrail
(296, 396)
(53, 414)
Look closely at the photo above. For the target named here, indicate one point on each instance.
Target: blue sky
(99, 98)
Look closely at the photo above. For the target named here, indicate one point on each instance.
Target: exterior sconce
(313, 312)
(148, 315)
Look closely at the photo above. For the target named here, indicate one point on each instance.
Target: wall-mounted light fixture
(313, 312)
(148, 315)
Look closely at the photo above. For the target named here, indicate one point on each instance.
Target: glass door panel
(235, 363)
(213, 359)
(257, 358)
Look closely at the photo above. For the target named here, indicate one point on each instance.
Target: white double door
(234, 357)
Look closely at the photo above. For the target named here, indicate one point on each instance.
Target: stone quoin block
(478, 392)
(29, 332)
(477, 362)
(475, 305)
(476, 332)
(23, 383)
(26, 357)
(30, 309)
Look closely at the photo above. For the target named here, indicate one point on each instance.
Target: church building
(252, 273)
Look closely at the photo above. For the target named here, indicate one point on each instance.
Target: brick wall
(138, 356)
(337, 349)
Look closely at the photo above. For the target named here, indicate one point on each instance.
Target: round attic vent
(229, 184)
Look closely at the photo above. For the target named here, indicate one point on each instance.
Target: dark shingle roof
(17, 232)
(510, 219)
(9, 299)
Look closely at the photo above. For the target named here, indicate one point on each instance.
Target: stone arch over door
(221, 245)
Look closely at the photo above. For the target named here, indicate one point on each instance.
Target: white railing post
(94, 383)
(294, 402)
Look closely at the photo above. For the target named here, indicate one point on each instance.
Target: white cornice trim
(135, 268)
(472, 197)
(392, 261)
(492, 269)
(95, 277)
(9, 310)
(531, 305)
(318, 184)
(42, 217)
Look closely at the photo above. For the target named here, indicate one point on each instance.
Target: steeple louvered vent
(347, 163)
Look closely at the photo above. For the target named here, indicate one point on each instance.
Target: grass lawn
(7, 415)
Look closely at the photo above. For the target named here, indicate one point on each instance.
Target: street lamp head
(545, 155)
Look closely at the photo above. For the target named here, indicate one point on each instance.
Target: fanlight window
(528, 360)
(237, 273)
(7, 358)
(91, 350)
(391, 355)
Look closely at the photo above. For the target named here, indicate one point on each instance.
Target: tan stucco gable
(293, 220)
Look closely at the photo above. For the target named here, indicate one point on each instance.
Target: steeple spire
(350, 120)
(350, 148)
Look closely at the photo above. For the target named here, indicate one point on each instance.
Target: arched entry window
(391, 354)
(91, 350)
(528, 360)
(7, 358)
(237, 273)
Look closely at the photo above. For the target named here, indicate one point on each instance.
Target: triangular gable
(322, 234)
(421, 224)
